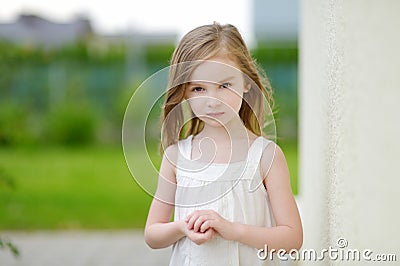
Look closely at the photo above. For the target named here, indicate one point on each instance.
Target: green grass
(89, 188)
(70, 188)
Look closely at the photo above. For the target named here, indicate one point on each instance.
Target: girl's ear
(247, 88)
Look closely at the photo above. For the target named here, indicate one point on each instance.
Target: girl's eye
(197, 89)
(226, 85)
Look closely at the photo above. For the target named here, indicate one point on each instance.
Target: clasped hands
(203, 225)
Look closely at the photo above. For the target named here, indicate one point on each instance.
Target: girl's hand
(198, 237)
(203, 220)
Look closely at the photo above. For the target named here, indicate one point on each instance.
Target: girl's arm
(159, 231)
(288, 232)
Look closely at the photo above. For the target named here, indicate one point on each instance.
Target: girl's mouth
(216, 114)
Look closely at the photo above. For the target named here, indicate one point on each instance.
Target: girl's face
(215, 91)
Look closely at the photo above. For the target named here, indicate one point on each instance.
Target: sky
(116, 16)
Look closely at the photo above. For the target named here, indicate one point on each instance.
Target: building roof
(37, 30)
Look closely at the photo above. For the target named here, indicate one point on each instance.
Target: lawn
(88, 188)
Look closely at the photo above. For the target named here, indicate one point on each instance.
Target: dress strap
(257, 148)
(185, 148)
(253, 162)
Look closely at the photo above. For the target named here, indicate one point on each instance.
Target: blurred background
(67, 72)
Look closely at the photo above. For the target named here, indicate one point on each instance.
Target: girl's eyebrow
(225, 79)
(195, 82)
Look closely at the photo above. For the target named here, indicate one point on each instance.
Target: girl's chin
(216, 123)
(213, 123)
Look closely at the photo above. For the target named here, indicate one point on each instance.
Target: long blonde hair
(200, 44)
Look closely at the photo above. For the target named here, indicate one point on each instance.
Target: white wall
(350, 124)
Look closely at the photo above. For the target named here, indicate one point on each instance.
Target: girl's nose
(213, 101)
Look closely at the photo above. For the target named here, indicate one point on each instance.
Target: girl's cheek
(235, 102)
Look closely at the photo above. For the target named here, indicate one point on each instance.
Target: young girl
(228, 185)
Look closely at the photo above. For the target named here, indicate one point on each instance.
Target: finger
(213, 234)
(208, 234)
(192, 220)
(199, 222)
(188, 217)
(204, 226)
(194, 216)
(198, 238)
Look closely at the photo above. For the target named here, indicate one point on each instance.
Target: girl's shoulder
(172, 151)
(272, 155)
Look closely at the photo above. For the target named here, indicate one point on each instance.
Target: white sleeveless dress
(235, 191)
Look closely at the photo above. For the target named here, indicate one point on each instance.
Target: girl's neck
(233, 130)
